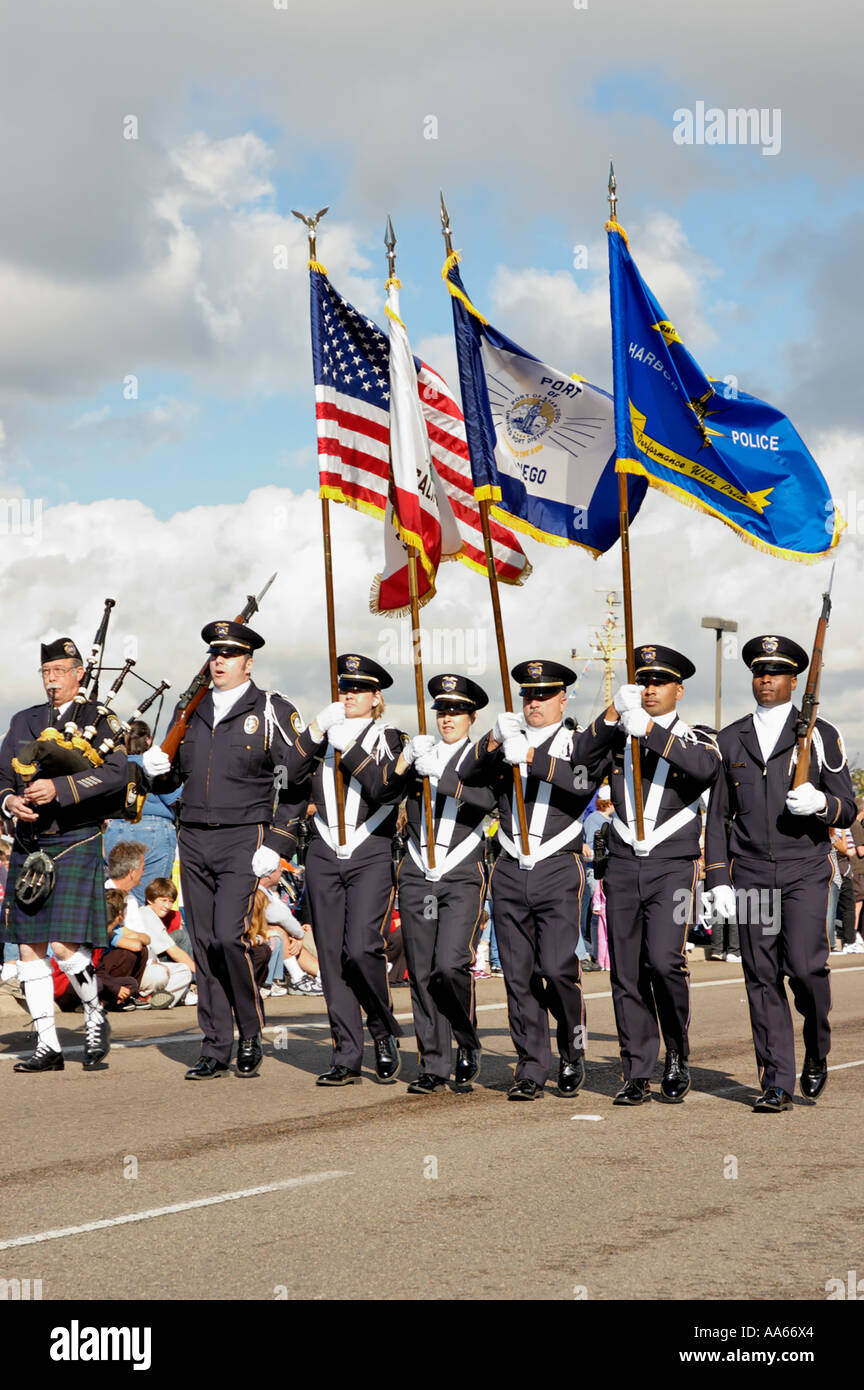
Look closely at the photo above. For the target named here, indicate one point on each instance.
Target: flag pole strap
(421, 702)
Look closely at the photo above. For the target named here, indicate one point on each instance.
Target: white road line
(160, 1040)
(586, 1117)
(130, 1217)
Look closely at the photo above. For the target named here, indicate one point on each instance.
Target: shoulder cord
(270, 720)
(819, 748)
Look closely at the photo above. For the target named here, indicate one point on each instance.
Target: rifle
(195, 692)
(809, 705)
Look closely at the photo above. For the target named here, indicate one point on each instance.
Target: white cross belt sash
(653, 834)
(559, 747)
(355, 835)
(445, 859)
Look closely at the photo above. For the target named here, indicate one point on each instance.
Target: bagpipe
(57, 752)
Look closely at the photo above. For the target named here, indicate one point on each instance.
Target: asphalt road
(455, 1196)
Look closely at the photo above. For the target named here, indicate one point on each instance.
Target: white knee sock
(37, 983)
(293, 968)
(79, 971)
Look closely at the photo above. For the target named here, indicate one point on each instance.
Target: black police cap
(774, 655)
(232, 639)
(361, 673)
(542, 678)
(663, 662)
(61, 649)
(457, 693)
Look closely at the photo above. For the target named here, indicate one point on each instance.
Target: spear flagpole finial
(445, 227)
(310, 223)
(390, 243)
(613, 194)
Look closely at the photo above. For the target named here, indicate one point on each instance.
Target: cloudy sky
(156, 407)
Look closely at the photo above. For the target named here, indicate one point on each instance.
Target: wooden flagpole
(624, 523)
(414, 599)
(496, 603)
(311, 223)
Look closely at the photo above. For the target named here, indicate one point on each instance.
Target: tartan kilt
(76, 911)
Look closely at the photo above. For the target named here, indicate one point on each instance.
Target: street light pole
(719, 625)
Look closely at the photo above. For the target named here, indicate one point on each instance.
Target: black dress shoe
(250, 1055)
(772, 1100)
(205, 1068)
(387, 1059)
(427, 1084)
(676, 1079)
(813, 1076)
(590, 964)
(467, 1065)
(570, 1076)
(339, 1076)
(97, 1039)
(634, 1092)
(43, 1059)
(525, 1090)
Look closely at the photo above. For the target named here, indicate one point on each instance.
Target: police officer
(61, 816)
(241, 744)
(649, 883)
(767, 861)
(537, 898)
(350, 886)
(441, 907)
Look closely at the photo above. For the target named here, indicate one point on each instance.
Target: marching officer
(767, 861)
(350, 885)
(239, 742)
(62, 817)
(440, 907)
(537, 898)
(649, 883)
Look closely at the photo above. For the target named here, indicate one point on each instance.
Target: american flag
(351, 360)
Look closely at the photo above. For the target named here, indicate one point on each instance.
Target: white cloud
(170, 578)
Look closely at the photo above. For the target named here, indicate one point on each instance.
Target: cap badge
(448, 683)
(770, 644)
(221, 629)
(534, 669)
(69, 648)
(352, 664)
(649, 653)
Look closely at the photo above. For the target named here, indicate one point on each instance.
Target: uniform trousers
(439, 921)
(218, 895)
(350, 901)
(781, 908)
(537, 915)
(649, 908)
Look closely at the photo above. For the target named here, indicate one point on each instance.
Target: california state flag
(418, 511)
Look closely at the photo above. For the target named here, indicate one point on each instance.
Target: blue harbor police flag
(542, 443)
(701, 441)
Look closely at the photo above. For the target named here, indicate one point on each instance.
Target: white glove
(507, 725)
(641, 848)
(155, 762)
(277, 911)
(627, 697)
(516, 749)
(431, 764)
(635, 722)
(417, 746)
(264, 861)
(340, 735)
(806, 800)
(330, 715)
(720, 901)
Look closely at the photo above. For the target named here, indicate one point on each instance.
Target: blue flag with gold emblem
(541, 443)
(709, 446)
